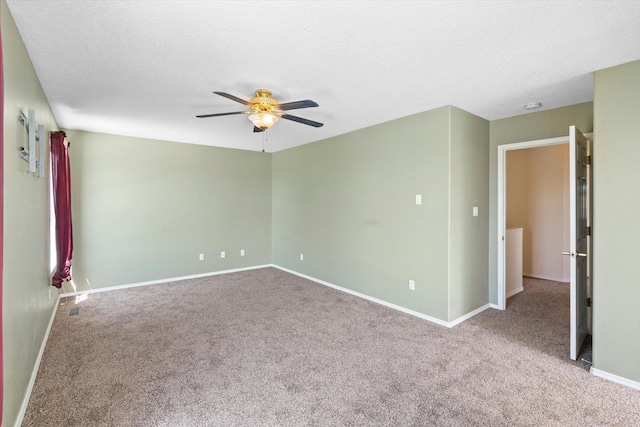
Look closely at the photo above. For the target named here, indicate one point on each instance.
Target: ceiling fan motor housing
(263, 102)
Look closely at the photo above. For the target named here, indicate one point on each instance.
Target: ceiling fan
(264, 111)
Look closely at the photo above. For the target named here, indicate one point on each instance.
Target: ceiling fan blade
(257, 129)
(220, 114)
(233, 98)
(307, 103)
(301, 120)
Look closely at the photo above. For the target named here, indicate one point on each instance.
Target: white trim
(155, 282)
(36, 366)
(501, 229)
(515, 291)
(388, 304)
(494, 306)
(467, 316)
(449, 201)
(615, 378)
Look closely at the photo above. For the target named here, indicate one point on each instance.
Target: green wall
(528, 127)
(26, 308)
(145, 209)
(616, 215)
(348, 204)
(469, 171)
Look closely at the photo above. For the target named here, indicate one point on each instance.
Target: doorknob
(573, 254)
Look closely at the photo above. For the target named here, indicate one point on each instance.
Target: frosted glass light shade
(263, 120)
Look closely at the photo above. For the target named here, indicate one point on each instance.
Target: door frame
(502, 208)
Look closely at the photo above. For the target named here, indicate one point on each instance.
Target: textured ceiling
(147, 68)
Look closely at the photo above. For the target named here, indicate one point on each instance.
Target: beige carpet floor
(267, 348)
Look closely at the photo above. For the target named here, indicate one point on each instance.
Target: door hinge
(588, 231)
(588, 302)
(588, 160)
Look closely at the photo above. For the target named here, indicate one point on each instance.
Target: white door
(578, 238)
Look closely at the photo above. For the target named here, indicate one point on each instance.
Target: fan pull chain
(264, 139)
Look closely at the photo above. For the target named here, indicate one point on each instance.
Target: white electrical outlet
(412, 285)
(301, 257)
(201, 257)
(241, 252)
(222, 254)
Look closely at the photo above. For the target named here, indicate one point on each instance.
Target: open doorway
(543, 204)
(537, 207)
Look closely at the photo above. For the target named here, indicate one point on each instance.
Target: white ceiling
(147, 68)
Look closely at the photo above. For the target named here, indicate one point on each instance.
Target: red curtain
(1, 211)
(61, 181)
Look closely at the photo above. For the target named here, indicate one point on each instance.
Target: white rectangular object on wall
(31, 128)
(41, 145)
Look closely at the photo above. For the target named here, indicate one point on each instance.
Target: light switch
(475, 211)
(418, 199)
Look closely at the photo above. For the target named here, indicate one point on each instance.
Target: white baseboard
(515, 291)
(468, 315)
(388, 304)
(540, 276)
(36, 366)
(615, 378)
(155, 282)
(494, 306)
(322, 282)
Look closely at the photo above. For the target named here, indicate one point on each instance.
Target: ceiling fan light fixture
(263, 120)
